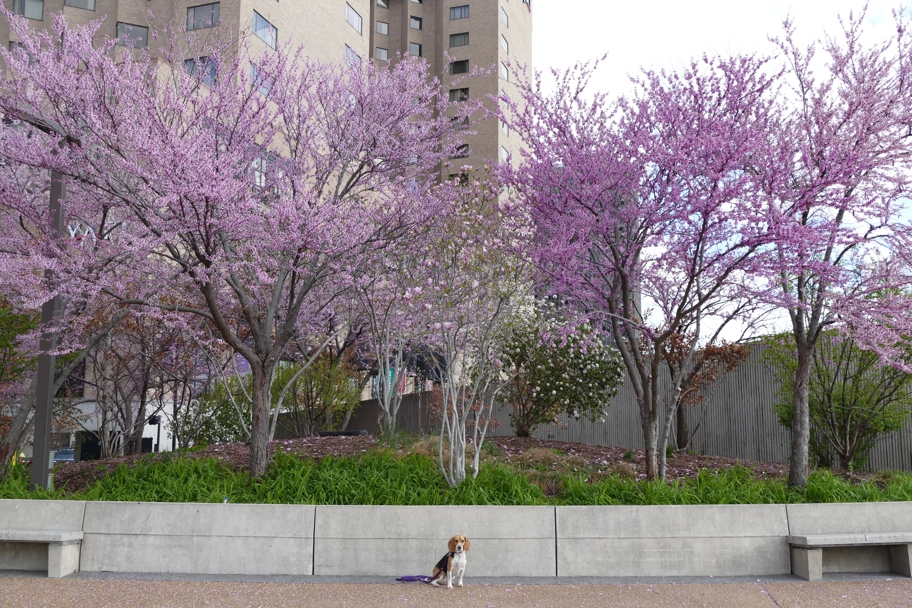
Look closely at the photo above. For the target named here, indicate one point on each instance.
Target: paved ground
(27, 590)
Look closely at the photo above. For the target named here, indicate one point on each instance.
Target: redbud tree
(248, 205)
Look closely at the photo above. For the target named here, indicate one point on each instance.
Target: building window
(418, 1)
(353, 18)
(415, 23)
(136, 36)
(201, 68)
(262, 84)
(383, 28)
(383, 3)
(30, 9)
(504, 17)
(460, 67)
(352, 58)
(259, 172)
(459, 123)
(459, 178)
(415, 49)
(459, 94)
(461, 151)
(203, 16)
(504, 43)
(88, 5)
(459, 39)
(264, 30)
(381, 54)
(504, 71)
(459, 12)
(504, 154)
(505, 128)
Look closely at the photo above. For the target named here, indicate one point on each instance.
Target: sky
(668, 33)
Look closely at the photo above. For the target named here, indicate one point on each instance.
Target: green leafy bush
(560, 368)
(853, 400)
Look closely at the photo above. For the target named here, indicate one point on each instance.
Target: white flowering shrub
(558, 367)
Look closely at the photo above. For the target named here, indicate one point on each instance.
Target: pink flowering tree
(246, 202)
(836, 184)
(473, 285)
(639, 205)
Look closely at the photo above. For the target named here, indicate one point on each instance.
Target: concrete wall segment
(674, 521)
(199, 519)
(42, 515)
(506, 541)
(849, 518)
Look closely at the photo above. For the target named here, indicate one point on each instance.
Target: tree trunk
(259, 431)
(801, 429)
(682, 432)
(651, 436)
(19, 428)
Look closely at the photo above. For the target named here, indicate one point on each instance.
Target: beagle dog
(453, 563)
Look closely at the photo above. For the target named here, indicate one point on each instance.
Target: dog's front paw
(434, 583)
(459, 584)
(450, 586)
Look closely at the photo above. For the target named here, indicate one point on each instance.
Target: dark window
(459, 94)
(264, 30)
(460, 178)
(353, 18)
(461, 151)
(415, 23)
(30, 9)
(459, 39)
(136, 36)
(459, 12)
(383, 3)
(460, 67)
(262, 83)
(415, 49)
(352, 58)
(202, 68)
(203, 16)
(459, 123)
(88, 5)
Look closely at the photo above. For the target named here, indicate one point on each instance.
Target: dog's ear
(468, 544)
(452, 545)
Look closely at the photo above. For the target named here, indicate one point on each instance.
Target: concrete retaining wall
(506, 541)
(198, 538)
(718, 540)
(707, 540)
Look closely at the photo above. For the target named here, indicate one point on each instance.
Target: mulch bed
(517, 451)
(77, 476)
(681, 466)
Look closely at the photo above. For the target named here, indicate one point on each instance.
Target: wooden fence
(736, 420)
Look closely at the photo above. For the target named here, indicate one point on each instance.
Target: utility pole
(44, 402)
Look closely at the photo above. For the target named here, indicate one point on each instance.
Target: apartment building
(333, 30)
(454, 37)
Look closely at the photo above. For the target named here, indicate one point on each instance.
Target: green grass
(386, 478)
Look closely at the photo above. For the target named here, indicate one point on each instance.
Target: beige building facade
(330, 29)
(453, 36)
